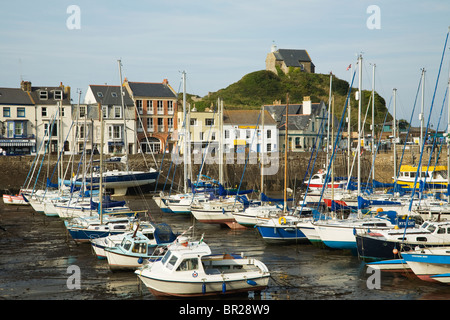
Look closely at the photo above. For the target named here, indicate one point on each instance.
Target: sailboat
(282, 227)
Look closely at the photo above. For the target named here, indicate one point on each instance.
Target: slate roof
(292, 57)
(278, 111)
(50, 100)
(247, 118)
(14, 96)
(110, 95)
(149, 89)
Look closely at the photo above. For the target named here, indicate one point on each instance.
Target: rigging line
(322, 127)
(337, 139)
(409, 129)
(434, 144)
(248, 155)
(429, 117)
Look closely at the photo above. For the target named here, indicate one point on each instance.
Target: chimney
(307, 105)
(25, 86)
(166, 82)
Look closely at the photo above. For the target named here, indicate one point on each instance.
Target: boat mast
(285, 152)
(221, 178)
(448, 137)
(394, 131)
(100, 178)
(125, 142)
(329, 119)
(261, 150)
(349, 139)
(359, 128)
(421, 119)
(185, 149)
(373, 122)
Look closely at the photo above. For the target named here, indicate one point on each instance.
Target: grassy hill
(264, 87)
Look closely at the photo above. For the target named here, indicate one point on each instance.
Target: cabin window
(441, 231)
(431, 228)
(119, 227)
(422, 239)
(166, 257)
(140, 248)
(188, 264)
(172, 262)
(127, 245)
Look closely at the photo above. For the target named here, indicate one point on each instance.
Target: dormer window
(114, 94)
(100, 94)
(58, 95)
(43, 95)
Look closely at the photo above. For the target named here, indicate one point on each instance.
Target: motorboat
(389, 244)
(429, 264)
(190, 269)
(139, 245)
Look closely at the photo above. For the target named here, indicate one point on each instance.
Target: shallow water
(36, 251)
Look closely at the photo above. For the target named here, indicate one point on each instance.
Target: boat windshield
(166, 257)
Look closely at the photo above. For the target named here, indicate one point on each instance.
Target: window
(188, 264)
(172, 262)
(18, 129)
(269, 134)
(117, 112)
(43, 95)
(227, 134)
(115, 132)
(160, 125)
(80, 132)
(105, 111)
(10, 129)
(170, 107)
(149, 107)
(193, 122)
(139, 126)
(247, 134)
(44, 111)
(114, 94)
(213, 136)
(100, 94)
(160, 107)
(82, 111)
(269, 147)
(150, 124)
(209, 122)
(58, 95)
(7, 112)
(170, 124)
(139, 106)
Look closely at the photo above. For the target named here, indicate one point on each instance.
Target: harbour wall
(16, 169)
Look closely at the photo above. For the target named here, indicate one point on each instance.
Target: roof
(14, 96)
(296, 122)
(149, 89)
(278, 111)
(110, 95)
(247, 117)
(292, 57)
(50, 97)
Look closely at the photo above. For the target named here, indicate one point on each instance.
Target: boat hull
(199, 288)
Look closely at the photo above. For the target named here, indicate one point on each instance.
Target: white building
(243, 131)
(119, 124)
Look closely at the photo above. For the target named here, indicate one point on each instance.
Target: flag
(349, 66)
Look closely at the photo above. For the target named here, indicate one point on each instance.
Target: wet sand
(36, 252)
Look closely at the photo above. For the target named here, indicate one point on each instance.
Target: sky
(218, 42)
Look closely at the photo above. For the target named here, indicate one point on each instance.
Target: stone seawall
(16, 169)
